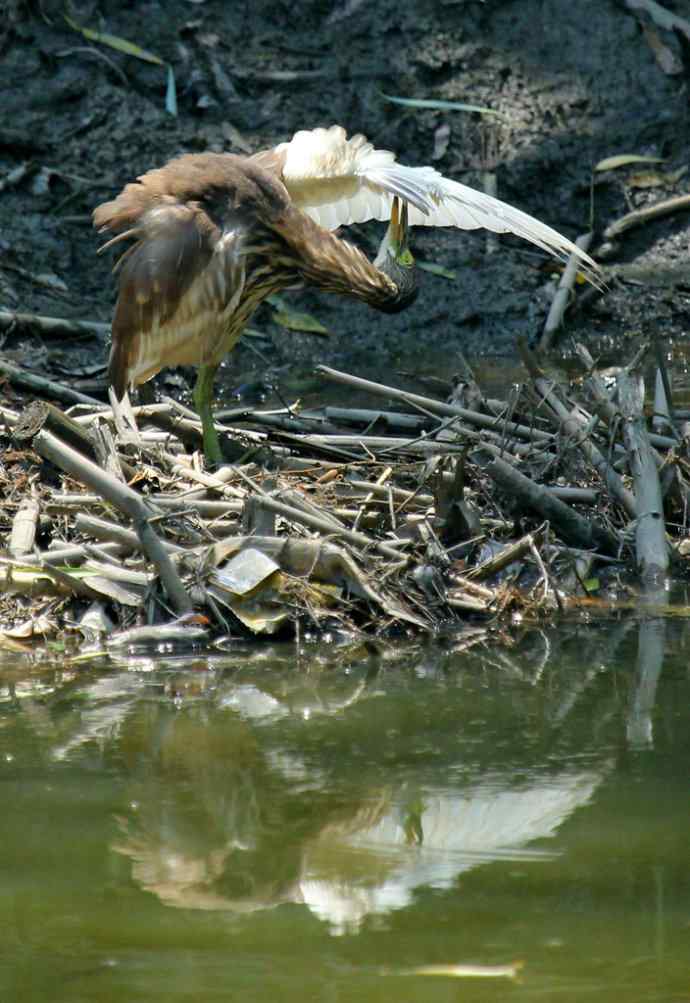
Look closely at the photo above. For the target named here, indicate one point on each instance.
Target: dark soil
(575, 82)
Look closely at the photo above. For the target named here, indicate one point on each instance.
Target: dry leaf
(259, 616)
(655, 179)
(317, 561)
(623, 159)
(666, 59)
(235, 138)
(441, 140)
(244, 572)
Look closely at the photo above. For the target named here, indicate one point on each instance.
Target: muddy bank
(574, 83)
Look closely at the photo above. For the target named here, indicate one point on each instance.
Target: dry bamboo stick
(67, 500)
(206, 509)
(78, 553)
(510, 553)
(400, 494)
(215, 482)
(607, 410)
(563, 293)
(24, 525)
(575, 424)
(650, 532)
(573, 527)
(58, 327)
(49, 388)
(377, 442)
(359, 540)
(370, 518)
(113, 532)
(367, 416)
(139, 411)
(432, 406)
(8, 416)
(468, 604)
(385, 474)
(124, 498)
(41, 414)
(580, 496)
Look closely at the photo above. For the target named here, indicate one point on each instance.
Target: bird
(213, 234)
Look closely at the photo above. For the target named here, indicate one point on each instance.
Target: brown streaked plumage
(214, 234)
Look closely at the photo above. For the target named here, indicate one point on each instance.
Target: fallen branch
(56, 327)
(49, 388)
(426, 446)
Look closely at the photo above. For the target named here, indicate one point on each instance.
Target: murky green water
(245, 827)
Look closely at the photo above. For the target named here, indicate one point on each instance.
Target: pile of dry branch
(418, 514)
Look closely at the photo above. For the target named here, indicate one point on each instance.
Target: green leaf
(295, 321)
(444, 273)
(115, 42)
(171, 93)
(252, 332)
(441, 105)
(130, 49)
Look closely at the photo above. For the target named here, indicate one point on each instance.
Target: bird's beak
(398, 230)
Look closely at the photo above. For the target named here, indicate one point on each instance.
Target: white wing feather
(338, 181)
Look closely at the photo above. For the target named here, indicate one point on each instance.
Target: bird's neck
(329, 263)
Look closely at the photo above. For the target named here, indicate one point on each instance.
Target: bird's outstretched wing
(337, 181)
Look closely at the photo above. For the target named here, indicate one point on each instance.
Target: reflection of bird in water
(217, 233)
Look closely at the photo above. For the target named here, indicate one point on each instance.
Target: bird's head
(395, 259)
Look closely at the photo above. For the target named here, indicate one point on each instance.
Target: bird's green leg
(203, 397)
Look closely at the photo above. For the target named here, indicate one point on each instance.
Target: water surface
(266, 823)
